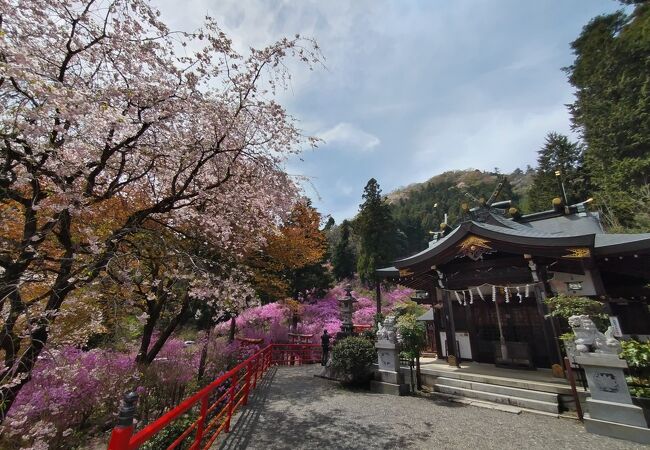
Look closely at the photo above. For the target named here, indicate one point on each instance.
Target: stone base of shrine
(620, 412)
(388, 382)
(617, 430)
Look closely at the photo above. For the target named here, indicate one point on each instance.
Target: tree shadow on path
(243, 425)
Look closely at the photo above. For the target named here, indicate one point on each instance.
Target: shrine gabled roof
(609, 244)
(568, 231)
(511, 233)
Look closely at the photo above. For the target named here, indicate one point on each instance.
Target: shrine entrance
(521, 326)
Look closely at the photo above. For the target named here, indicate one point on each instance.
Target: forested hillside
(421, 208)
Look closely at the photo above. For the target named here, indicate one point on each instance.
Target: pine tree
(377, 233)
(611, 74)
(557, 154)
(343, 258)
(329, 224)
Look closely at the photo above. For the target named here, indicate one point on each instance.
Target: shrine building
(487, 280)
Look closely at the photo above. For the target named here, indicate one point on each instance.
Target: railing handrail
(141, 436)
(123, 439)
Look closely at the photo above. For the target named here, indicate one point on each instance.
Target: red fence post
(120, 437)
(257, 369)
(247, 385)
(231, 400)
(121, 434)
(200, 426)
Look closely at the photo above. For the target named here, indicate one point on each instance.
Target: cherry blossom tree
(111, 122)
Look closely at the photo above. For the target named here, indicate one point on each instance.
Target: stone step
(538, 405)
(553, 387)
(499, 389)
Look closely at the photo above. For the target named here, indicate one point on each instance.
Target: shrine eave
(508, 236)
(387, 272)
(616, 244)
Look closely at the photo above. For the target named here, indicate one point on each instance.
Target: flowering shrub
(69, 389)
(268, 322)
(164, 383)
(271, 322)
(73, 390)
(323, 314)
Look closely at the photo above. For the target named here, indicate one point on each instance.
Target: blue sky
(412, 88)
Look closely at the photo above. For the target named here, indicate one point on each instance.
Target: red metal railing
(231, 389)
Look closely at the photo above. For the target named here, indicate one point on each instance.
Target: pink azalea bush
(322, 314)
(73, 390)
(69, 389)
(366, 309)
(271, 322)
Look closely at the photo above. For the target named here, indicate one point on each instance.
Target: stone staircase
(530, 395)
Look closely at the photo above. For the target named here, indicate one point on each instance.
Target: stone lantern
(346, 313)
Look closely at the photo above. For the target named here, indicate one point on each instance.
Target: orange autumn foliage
(298, 243)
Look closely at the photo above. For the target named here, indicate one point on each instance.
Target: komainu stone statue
(585, 330)
(589, 339)
(609, 344)
(387, 331)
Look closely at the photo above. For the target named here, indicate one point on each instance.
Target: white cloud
(343, 187)
(423, 87)
(492, 138)
(349, 136)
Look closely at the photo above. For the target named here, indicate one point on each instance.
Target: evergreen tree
(329, 224)
(377, 232)
(343, 258)
(611, 74)
(314, 279)
(557, 154)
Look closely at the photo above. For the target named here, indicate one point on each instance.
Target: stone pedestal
(388, 379)
(611, 411)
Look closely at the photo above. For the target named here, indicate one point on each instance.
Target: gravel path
(294, 410)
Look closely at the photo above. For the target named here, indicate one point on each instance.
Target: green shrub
(413, 335)
(370, 335)
(565, 306)
(408, 307)
(353, 358)
(168, 435)
(637, 354)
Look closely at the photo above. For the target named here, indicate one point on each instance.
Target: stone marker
(611, 411)
(388, 377)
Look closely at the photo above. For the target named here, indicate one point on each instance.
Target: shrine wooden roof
(499, 234)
